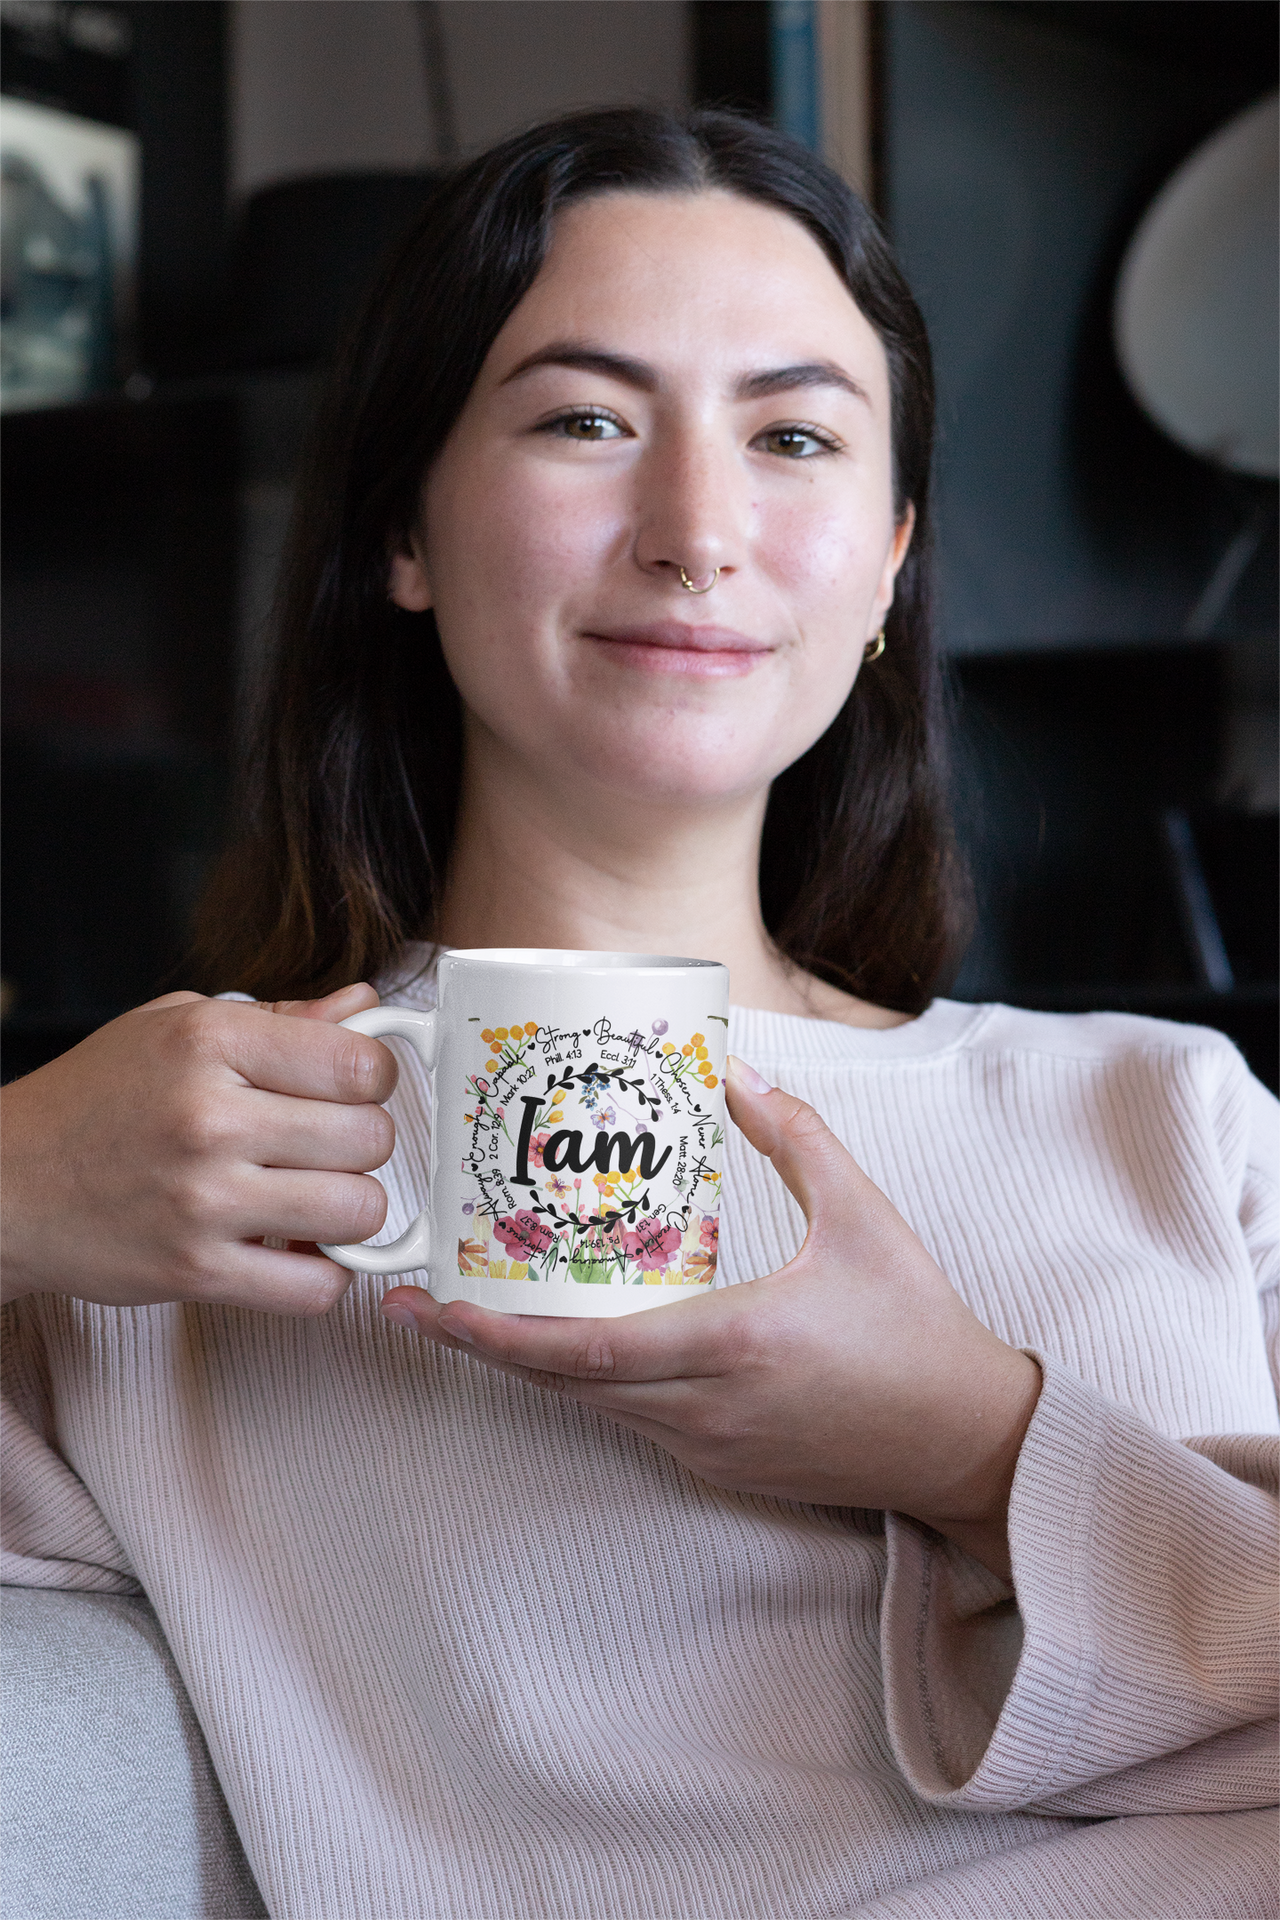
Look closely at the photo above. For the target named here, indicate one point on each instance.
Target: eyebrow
(588, 359)
(585, 358)
(809, 373)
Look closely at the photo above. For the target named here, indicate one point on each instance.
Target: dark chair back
(302, 253)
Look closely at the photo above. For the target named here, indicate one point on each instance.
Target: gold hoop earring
(874, 648)
(689, 587)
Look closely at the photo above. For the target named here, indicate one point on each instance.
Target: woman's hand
(856, 1376)
(149, 1162)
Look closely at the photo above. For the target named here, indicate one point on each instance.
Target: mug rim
(572, 960)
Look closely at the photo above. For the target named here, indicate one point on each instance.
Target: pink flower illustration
(652, 1245)
(522, 1234)
(709, 1234)
(537, 1146)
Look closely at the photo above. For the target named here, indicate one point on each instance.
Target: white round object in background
(1196, 323)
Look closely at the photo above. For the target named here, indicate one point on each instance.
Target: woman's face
(687, 384)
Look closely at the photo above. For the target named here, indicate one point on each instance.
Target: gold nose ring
(689, 587)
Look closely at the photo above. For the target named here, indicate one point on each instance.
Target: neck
(528, 871)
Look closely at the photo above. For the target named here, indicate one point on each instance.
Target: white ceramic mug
(578, 1123)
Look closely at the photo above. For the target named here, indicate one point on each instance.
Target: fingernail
(454, 1332)
(402, 1315)
(747, 1076)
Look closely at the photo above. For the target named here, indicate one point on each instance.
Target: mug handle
(413, 1247)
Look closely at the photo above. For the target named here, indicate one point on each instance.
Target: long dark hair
(352, 790)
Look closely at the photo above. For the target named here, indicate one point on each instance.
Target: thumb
(335, 1007)
(815, 1167)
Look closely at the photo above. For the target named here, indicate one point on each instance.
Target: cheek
(826, 557)
(509, 548)
(507, 542)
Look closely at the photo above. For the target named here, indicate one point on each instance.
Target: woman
(869, 1587)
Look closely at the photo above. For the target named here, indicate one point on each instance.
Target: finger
(814, 1166)
(663, 1402)
(295, 1282)
(335, 1006)
(333, 1208)
(691, 1339)
(657, 1409)
(276, 1130)
(282, 1053)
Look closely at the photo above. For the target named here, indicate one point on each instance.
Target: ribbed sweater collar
(944, 1026)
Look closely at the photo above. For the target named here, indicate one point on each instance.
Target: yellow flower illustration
(508, 1269)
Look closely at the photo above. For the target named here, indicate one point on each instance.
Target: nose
(692, 511)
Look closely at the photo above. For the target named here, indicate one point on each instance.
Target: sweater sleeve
(1135, 1672)
(54, 1533)
(1131, 1668)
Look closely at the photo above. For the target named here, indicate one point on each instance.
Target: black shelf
(1228, 37)
(120, 599)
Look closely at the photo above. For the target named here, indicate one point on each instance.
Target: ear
(892, 562)
(407, 584)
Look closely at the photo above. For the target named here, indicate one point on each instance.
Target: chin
(678, 769)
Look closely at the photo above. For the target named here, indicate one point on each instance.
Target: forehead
(691, 280)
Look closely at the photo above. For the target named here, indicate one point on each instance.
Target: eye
(586, 423)
(797, 443)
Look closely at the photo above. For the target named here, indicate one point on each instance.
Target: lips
(669, 646)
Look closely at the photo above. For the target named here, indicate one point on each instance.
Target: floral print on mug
(594, 1155)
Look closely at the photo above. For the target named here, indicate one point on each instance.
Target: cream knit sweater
(463, 1650)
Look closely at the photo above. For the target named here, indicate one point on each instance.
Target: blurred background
(1084, 198)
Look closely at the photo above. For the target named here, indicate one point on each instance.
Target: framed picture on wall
(70, 190)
